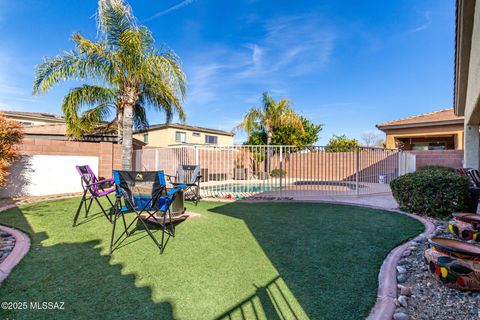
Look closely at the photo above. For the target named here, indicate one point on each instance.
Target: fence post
(357, 169)
(196, 155)
(281, 168)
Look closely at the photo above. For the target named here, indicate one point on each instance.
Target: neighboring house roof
(184, 127)
(58, 131)
(35, 115)
(440, 117)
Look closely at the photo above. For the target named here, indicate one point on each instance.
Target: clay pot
(454, 263)
(465, 226)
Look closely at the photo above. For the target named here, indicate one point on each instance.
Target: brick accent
(446, 158)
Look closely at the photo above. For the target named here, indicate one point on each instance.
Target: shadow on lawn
(91, 287)
(271, 301)
(328, 257)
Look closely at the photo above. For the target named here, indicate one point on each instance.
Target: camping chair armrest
(175, 189)
(171, 178)
(100, 183)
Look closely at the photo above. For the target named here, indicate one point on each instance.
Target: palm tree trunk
(120, 125)
(129, 97)
(127, 144)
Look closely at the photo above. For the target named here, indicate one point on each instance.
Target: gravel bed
(7, 242)
(420, 296)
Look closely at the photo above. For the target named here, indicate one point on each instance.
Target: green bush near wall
(432, 191)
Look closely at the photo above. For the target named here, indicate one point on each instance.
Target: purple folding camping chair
(92, 190)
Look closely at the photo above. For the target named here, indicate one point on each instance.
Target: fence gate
(283, 171)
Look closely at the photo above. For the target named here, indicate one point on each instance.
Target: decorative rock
(401, 269)
(397, 303)
(401, 278)
(403, 301)
(406, 253)
(401, 316)
(404, 291)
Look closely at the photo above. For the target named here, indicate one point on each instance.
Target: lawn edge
(384, 307)
(22, 245)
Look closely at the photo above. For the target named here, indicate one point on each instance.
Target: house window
(145, 137)
(25, 123)
(180, 136)
(196, 134)
(211, 139)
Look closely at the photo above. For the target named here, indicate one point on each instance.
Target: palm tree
(270, 117)
(133, 72)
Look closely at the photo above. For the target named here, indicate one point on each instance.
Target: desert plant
(10, 135)
(432, 191)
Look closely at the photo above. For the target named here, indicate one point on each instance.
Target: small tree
(341, 143)
(10, 135)
(372, 139)
(288, 135)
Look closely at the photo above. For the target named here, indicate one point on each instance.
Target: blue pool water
(242, 188)
(252, 188)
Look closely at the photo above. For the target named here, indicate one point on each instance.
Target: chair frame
(192, 190)
(169, 197)
(92, 190)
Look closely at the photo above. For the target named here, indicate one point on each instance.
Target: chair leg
(75, 218)
(113, 233)
(160, 246)
(103, 210)
(87, 209)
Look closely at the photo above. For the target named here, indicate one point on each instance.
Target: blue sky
(345, 64)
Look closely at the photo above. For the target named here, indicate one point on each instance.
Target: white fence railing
(285, 171)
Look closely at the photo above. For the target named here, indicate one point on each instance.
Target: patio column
(471, 157)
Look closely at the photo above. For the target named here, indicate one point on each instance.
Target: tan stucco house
(33, 118)
(467, 77)
(438, 130)
(167, 135)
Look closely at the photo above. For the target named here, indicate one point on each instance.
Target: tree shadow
(92, 287)
(328, 258)
(270, 301)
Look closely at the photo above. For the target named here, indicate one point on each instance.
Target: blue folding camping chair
(145, 194)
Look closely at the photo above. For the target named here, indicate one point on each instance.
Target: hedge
(432, 191)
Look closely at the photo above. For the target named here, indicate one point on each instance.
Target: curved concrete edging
(384, 307)
(22, 245)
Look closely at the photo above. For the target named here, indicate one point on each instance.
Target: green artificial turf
(237, 261)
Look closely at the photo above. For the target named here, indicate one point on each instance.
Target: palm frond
(70, 65)
(114, 18)
(80, 123)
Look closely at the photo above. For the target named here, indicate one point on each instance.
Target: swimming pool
(238, 188)
(301, 185)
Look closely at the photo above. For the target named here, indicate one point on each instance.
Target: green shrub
(436, 168)
(433, 191)
(276, 173)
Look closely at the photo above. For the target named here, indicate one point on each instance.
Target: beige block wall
(166, 137)
(456, 130)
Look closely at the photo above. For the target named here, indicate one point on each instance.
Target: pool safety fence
(282, 171)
